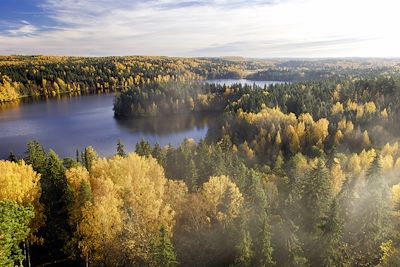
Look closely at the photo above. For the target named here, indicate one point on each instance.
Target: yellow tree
(100, 228)
(337, 177)
(139, 201)
(20, 183)
(202, 233)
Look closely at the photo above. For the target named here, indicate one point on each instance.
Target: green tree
(143, 148)
(158, 154)
(329, 244)
(12, 157)
(372, 217)
(14, 229)
(244, 248)
(165, 254)
(316, 197)
(55, 199)
(89, 155)
(263, 248)
(121, 149)
(35, 156)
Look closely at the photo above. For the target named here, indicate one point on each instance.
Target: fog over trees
(300, 173)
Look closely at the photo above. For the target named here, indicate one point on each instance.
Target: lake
(69, 123)
(243, 82)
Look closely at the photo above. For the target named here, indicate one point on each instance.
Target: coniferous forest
(304, 172)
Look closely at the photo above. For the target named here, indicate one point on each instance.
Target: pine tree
(143, 148)
(158, 154)
(316, 198)
(315, 201)
(88, 157)
(329, 242)
(244, 247)
(120, 149)
(164, 252)
(373, 216)
(263, 248)
(12, 157)
(55, 200)
(78, 156)
(35, 156)
(191, 176)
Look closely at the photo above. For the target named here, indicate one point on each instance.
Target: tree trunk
(28, 253)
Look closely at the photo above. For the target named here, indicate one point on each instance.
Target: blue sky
(252, 28)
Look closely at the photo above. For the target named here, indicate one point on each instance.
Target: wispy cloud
(22, 28)
(253, 28)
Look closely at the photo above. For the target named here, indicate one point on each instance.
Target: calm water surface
(71, 123)
(242, 81)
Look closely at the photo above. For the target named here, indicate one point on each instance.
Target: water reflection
(71, 123)
(166, 125)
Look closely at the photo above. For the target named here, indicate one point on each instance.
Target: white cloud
(292, 28)
(24, 28)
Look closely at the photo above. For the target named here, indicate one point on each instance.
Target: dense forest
(304, 173)
(50, 76)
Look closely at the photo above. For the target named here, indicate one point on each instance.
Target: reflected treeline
(165, 125)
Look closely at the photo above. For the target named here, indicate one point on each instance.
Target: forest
(52, 76)
(300, 173)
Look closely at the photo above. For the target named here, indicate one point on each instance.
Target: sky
(201, 28)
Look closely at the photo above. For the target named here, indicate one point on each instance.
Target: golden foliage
(222, 198)
(101, 224)
(337, 108)
(337, 177)
(132, 200)
(20, 183)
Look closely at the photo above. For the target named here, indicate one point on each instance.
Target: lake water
(242, 81)
(71, 123)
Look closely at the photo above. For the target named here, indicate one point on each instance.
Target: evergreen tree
(55, 199)
(35, 156)
(203, 162)
(165, 254)
(244, 248)
(89, 155)
(263, 248)
(191, 176)
(329, 244)
(315, 198)
(78, 156)
(12, 157)
(288, 249)
(315, 201)
(120, 149)
(143, 148)
(158, 154)
(373, 216)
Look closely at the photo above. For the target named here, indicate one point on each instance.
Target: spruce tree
(329, 243)
(12, 157)
(120, 149)
(372, 216)
(143, 148)
(165, 254)
(55, 199)
(35, 156)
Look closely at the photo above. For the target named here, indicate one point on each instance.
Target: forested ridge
(294, 174)
(50, 76)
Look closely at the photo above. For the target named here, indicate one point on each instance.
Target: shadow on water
(71, 123)
(167, 125)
